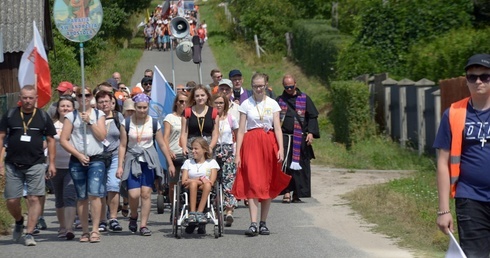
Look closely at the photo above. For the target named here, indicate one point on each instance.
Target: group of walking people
(205, 138)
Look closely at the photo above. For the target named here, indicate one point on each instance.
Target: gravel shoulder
(328, 184)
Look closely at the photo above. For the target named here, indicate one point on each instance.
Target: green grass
(403, 209)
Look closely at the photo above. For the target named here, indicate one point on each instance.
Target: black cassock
(301, 179)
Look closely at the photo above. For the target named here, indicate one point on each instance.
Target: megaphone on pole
(184, 51)
(179, 27)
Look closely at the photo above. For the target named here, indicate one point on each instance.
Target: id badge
(25, 138)
(106, 143)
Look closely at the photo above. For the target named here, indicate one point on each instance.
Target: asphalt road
(292, 235)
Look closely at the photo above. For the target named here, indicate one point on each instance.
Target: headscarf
(141, 97)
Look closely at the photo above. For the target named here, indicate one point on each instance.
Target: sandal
(252, 231)
(94, 237)
(85, 238)
(70, 235)
(125, 212)
(144, 231)
(286, 199)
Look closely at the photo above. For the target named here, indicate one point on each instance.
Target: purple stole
(300, 107)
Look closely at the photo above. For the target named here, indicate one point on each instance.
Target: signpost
(79, 21)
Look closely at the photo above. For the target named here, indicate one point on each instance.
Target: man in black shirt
(26, 128)
(299, 127)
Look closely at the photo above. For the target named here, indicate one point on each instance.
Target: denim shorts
(88, 180)
(147, 177)
(113, 183)
(30, 177)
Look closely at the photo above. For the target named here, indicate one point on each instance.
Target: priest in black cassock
(299, 120)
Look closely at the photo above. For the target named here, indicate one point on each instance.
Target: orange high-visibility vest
(457, 118)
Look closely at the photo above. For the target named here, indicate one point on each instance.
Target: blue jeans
(89, 180)
(473, 227)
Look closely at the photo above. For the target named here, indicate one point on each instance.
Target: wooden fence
(410, 111)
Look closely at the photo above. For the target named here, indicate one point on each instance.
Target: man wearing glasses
(146, 83)
(225, 86)
(216, 77)
(239, 93)
(462, 162)
(299, 126)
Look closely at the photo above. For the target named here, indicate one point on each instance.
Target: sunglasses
(146, 84)
(181, 101)
(86, 95)
(289, 87)
(66, 97)
(472, 78)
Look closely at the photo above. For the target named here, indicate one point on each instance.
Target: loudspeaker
(179, 27)
(184, 51)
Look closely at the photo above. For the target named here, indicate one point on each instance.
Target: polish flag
(34, 69)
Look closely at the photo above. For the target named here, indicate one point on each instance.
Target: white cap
(165, 22)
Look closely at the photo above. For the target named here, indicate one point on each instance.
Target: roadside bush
(351, 116)
(446, 56)
(315, 47)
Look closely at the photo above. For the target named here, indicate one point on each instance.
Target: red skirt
(260, 175)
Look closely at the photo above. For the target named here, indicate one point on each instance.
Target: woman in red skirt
(259, 154)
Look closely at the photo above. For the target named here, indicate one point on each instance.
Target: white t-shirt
(94, 146)
(233, 110)
(225, 129)
(62, 158)
(254, 111)
(176, 123)
(142, 132)
(195, 170)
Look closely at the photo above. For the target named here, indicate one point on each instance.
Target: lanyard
(26, 126)
(261, 116)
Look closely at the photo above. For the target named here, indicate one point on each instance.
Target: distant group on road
(101, 143)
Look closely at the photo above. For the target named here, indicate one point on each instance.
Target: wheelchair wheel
(216, 231)
(179, 233)
(219, 210)
(176, 229)
(160, 204)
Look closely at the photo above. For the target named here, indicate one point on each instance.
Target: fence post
(388, 84)
(437, 108)
(422, 86)
(403, 84)
(372, 95)
(289, 39)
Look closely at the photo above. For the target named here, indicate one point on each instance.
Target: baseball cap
(64, 86)
(146, 80)
(225, 82)
(135, 91)
(478, 59)
(112, 82)
(234, 73)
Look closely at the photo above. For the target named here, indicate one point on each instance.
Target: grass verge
(403, 209)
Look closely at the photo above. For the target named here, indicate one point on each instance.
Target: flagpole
(83, 99)
(173, 67)
(35, 84)
(199, 72)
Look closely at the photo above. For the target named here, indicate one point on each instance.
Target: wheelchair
(213, 211)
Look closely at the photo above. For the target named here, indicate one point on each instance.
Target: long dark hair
(56, 115)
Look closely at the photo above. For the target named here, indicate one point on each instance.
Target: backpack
(154, 124)
(115, 117)
(187, 113)
(75, 115)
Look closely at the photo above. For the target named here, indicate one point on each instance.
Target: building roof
(16, 18)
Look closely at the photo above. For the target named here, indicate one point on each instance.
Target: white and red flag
(34, 69)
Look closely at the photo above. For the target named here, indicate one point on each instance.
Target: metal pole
(83, 99)
(172, 54)
(199, 72)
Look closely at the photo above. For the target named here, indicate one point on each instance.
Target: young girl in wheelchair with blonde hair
(199, 173)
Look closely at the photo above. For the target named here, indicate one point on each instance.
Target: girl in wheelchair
(199, 173)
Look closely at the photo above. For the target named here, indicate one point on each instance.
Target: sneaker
(144, 231)
(36, 231)
(17, 233)
(114, 225)
(252, 230)
(228, 220)
(201, 229)
(201, 218)
(103, 227)
(192, 219)
(263, 230)
(133, 224)
(41, 224)
(29, 240)
(77, 224)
